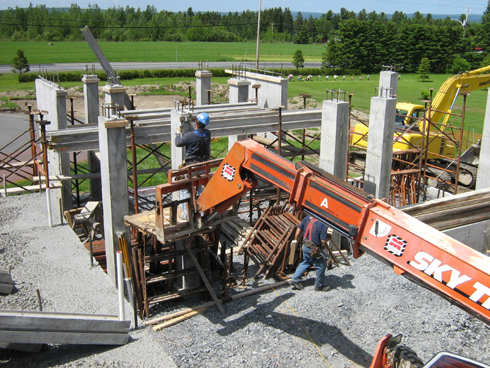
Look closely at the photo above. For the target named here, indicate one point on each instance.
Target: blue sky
(387, 6)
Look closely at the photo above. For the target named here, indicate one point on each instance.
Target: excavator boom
(414, 249)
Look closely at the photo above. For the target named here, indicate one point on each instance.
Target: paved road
(64, 67)
(12, 126)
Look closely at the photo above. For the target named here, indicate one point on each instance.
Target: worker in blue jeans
(315, 235)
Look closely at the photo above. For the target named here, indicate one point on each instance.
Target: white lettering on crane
(324, 203)
(433, 267)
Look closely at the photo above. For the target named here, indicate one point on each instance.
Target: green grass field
(80, 52)
(409, 88)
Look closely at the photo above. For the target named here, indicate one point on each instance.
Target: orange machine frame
(414, 249)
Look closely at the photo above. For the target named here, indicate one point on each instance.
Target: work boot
(296, 285)
(323, 288)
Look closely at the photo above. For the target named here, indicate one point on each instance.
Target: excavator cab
(407, 114)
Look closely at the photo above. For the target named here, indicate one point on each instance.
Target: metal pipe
(48, 203)
(135, 164)
(120, 284)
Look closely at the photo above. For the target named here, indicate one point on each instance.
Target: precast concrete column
(52, 98)
(115, 201)
(239, 90)
(483, 179)
(377, 175)
(388, 80)
(334, 138)
(232, 139)
(203, 85)
(91, 99)
(177, 153)
(114, 95)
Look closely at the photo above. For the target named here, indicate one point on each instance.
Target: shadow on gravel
(322, 333)
(50, 355)
(336, 282)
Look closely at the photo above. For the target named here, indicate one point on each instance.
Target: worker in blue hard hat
(198, 149)
(196, 142)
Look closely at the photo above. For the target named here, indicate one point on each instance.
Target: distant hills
(473, 18)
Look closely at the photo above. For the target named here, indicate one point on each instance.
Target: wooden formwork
(166, 250)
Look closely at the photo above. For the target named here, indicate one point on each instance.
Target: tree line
(363, 41)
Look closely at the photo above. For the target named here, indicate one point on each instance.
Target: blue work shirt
(197, 144)
(318, 233)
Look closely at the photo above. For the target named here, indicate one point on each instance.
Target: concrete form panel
(476, 236)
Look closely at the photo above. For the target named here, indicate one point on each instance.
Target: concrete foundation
(335, 135)
(203, 85)
(113, 164)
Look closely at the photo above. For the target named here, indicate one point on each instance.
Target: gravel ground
(279, 328)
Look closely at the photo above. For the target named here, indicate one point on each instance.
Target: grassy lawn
(410, 89)
(80, 52)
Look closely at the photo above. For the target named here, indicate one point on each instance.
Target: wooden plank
(179, 319)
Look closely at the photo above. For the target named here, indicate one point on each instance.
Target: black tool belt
(309, 244)
(192, 161)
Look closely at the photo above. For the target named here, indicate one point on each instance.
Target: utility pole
(258, 38)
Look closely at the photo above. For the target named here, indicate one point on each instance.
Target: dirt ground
(142, 98)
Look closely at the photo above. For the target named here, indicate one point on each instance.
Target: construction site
(133, 283)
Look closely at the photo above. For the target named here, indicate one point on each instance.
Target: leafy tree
(424, 69)
(303, 35)
(460, 65)
(20, 63)
(298, 59)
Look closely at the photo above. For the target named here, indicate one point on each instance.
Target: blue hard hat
(203, 118)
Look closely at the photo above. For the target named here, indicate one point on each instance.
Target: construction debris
(6, 282)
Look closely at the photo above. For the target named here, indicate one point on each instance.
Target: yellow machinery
(413, 119)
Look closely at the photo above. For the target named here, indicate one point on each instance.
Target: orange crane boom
(415, 250)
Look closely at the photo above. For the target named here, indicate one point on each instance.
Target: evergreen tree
(19, 62)
(298, 59)
(424, 69)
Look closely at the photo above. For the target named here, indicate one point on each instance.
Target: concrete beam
(60, 328)
(86, 138)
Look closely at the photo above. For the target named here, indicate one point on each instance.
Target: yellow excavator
(412, 120)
